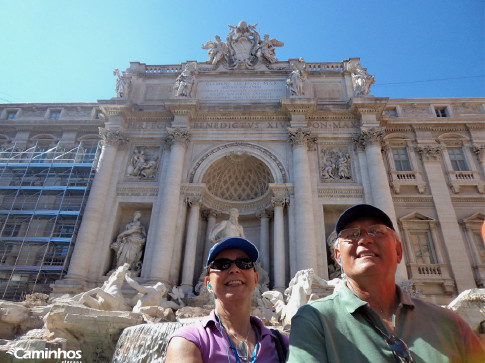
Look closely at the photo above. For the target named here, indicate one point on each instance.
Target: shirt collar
(212, 320)
(352, 302)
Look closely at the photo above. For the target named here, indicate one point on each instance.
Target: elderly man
(370, 319)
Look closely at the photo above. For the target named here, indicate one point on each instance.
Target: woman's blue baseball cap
(238, 243)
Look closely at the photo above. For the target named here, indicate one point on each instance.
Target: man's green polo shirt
(334, 329)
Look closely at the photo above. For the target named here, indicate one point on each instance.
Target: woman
(229, 333)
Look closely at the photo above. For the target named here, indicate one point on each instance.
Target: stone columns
(452, 238)
(279, 266)
(303, 211)
(264, 251)
(360, 148)
(93, 217)
(170, 193)
(211, 222)
(370, 140)
(191, 244)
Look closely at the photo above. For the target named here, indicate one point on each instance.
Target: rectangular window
(401, 159)
(11, 115)
(457, 158)
(480, 245)
(55, 114)
(440, 112)
(393, 112)
(423, 250)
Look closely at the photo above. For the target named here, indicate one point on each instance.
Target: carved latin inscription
(241, 90)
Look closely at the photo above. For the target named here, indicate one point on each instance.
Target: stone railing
(407, 178)
(325, 67)
(163, 69)
(429, 271)
(458, 179)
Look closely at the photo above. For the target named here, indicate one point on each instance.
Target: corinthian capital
(279, 201)
(112, 137)
(429, 152)
(301, 137)
(372, 136)
(194, 200)
(178, 135)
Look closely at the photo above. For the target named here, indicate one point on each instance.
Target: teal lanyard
(234, 351)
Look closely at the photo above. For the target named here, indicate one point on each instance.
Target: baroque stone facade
(290, 144)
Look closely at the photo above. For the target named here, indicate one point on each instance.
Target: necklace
(242, 349)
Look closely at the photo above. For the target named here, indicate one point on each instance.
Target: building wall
(290, 164)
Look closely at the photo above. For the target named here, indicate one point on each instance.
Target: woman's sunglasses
(225, 263)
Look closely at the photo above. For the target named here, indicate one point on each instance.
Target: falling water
(146, 342)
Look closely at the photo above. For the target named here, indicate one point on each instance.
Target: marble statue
(148, 296)
(228, 228)
(297, 77)
(298, 293)
(129, 244)
(122, 84)
(361, 79)
(266, 49)
(108, 296)
(217, 50)
(177, 295)
(185, 81)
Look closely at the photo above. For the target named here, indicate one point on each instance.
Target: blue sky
(65, 51)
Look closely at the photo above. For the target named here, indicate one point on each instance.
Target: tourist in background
(370, 319)
(229, 333)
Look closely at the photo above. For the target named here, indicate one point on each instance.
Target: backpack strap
(280, 346)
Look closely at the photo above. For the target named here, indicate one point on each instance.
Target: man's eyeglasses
(353, 234)
(225, 263)
(399, 348)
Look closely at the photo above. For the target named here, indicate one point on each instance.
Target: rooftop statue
(297, 77)
(122, 84)
(217, 50)
(361, 79)
(266, 51)
(185, 81)
(243, 48)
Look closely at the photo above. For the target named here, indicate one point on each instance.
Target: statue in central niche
(228, 228)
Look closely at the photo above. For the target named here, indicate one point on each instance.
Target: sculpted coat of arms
(243, 49)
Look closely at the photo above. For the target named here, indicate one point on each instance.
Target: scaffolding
(43, 192)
